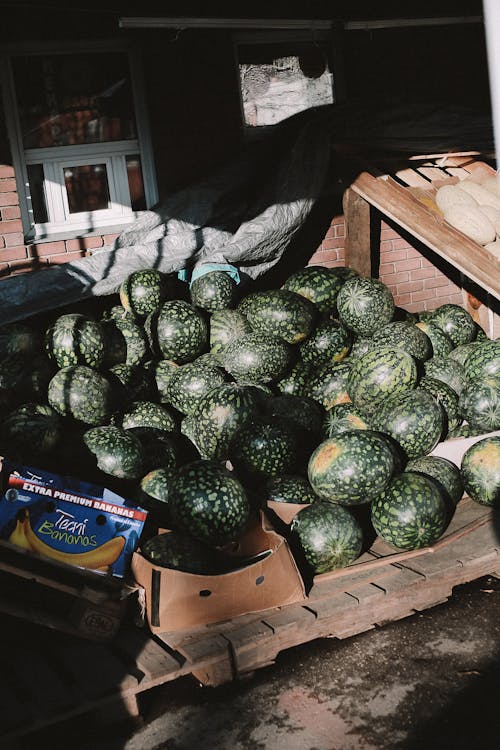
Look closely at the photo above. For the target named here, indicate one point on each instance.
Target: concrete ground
(430, 681)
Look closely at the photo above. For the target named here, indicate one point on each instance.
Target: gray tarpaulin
(247, 213)
(244, 215)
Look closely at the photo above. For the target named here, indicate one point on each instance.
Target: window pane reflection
(135, 183)
(87, 187)
(68, 100)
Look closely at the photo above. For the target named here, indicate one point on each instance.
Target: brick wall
(415, 281)
(18, 257)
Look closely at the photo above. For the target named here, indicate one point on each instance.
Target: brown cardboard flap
(286, 511)
(176, 600)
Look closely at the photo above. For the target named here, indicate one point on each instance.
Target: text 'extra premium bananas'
(68, 520)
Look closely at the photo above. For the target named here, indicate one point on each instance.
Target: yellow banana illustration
(98, 558)
(18, 537)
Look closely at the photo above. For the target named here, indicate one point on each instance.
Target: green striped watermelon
(410, 512)
(379, 375)
(364, 305)
(480, 469)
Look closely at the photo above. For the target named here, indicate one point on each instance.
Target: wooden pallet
(47, 677)
(59, 596)
(406, 196)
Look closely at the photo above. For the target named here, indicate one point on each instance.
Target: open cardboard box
(175, 600)
(286, 511)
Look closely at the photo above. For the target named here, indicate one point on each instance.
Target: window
(281, 75)
(80, 139)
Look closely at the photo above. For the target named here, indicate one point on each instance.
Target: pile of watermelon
(203, 402)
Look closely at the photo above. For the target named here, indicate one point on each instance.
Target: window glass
(135, 183)
(38, 204)
(277, 80)
(68, 99)
(87, 187)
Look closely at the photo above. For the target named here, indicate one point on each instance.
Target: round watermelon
(441, 344)
(443, 471)
(364, 305)
(209, 503)
(406, 336)
(480, 469)
(116, 451)
(263, 447)
(456, 322)
(447, 370)
(343, 418)
(75, 339)
(410, 512)
(379, 375)
(142, 292)
(148, 414)
(190, 382)
(327, 536)
(257, 357)
(317, 284)
(351, 468)
(219, 415)
(479, 404)
(304, 412)
(447, 399)
(483, 361)
(215, 290)
(226, 326)
(82, 393)
(296, 378)
(281, 313)
(328, 387)
(289, 488)
(30, 429)
(329, 342)
(181, 331)
(179, 551)
(414, 419)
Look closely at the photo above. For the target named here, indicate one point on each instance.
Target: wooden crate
(47, 677)
(406, 195)
(61, 597)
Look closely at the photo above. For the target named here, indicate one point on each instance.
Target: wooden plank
(398, 204)
(252, 646)
(209, 659)
(412, 178)
(295, 617)
(357, 244)
(151, 658)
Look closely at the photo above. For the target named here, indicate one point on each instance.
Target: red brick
(83, 243)
(424, 294)
(398, 278)
(402, 299)
(426, 263)
(387, 233)
(66, 257)
(415, 306)
(9, 227)
(10, 212)
(22, 266)
(339, 230)
(330, 232)
(386, 268)
(408, 265)
(6, 171)
(16, 238)
(13, 253)
(7, 186)
(391, 256)
(436, 282)
(339, 219)
(400, 244)
(9, 199)
(412, 253)
(2, 242)
(330, 243)
(4, 269)
(425, 273)
(411, 286)
(447, 290)
(44, 249)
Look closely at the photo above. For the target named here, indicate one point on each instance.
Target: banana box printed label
(68, 520)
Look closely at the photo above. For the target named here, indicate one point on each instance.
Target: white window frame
(111, 153)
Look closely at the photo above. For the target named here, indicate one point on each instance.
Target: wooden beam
(357, 245)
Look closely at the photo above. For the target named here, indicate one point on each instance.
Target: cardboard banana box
(68, 520)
